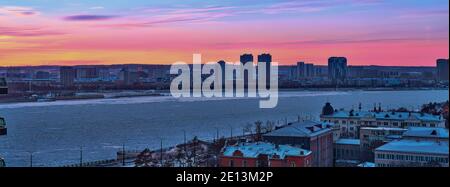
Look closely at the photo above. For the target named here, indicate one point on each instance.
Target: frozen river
(54, 131)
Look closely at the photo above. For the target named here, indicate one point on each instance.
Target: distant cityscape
(65, 80)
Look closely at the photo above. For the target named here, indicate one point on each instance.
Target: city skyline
(368, 32)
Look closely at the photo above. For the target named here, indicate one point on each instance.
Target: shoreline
(159, 93)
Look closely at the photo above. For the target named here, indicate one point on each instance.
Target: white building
(420, 146)
(412, 153)
(350, 122)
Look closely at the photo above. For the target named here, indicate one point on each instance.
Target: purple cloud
(89, 17)
(27, 31)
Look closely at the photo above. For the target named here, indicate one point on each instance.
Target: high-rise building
(300, 70)
(87, 73)
(267, 58)
(3, 86)
(442, 69)
(245, 58)
(129, 76)
(337, 69)
(67, 75)
(309, 70)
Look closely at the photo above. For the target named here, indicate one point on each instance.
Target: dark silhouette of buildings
(442, 69)
(244, 59)
(267, 58)
(67, 75)
(337, 69)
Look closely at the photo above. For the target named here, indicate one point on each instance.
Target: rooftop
(348, 141)
(413, 146)
(384, 128)
(426, 132)
(253, 150)
(367, 165)
(386, 115)
(304, 128)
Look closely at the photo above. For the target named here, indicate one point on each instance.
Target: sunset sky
(69, 32)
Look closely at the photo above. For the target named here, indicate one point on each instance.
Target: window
(395, 124)
(293, 164)
(231, 163)
(432, 125)
(385, 123)
(344, 122)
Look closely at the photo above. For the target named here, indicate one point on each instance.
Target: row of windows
(346, 152)
(258, 164)
(412, 158)
(379, 123)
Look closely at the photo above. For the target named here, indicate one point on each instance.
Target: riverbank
(156, 93)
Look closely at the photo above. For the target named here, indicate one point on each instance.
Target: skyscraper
(309, 70)
(67, 75)
(442, 69)
(267, 58)
(300, 70)
(337, 69)
(245, 58)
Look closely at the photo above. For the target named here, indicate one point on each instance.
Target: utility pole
(31, 159)
(231, 132)
(217, 134)
(184, 134)
(161, 154)
(123, 154)
(81, 156)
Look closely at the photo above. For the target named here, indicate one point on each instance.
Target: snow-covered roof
(367, 165)
(253, 150)
(426, 132)
(305, 128)
(348, 141)
(386, 115)
(384, 128)
(413, 146)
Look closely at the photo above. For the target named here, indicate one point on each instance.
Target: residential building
(420, 146)
(267, 58)
(374, 137)
(350, 122)
(412, 153)
(347, 152)
(67, 75)
(263, 154)
(442, 69)
(337, 69)
(426, 133)
(310, 135)
(3, 86)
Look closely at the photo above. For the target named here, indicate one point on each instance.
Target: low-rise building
(310, 135)
(426, 133)
(374, 137)
(263, 154)
(347, 152)
(350, 122)
(412, 153)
